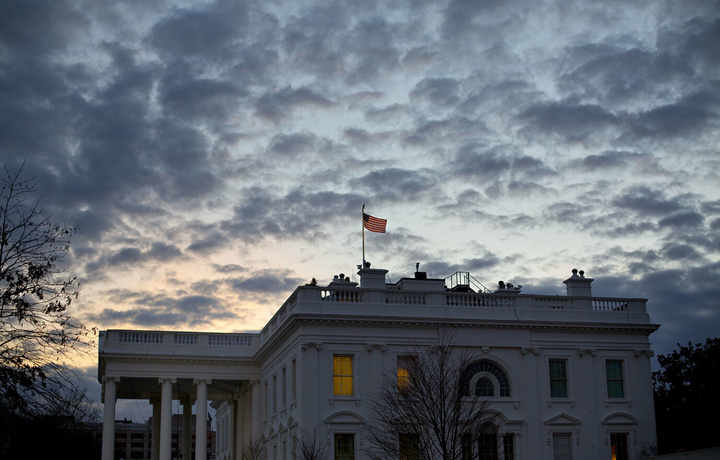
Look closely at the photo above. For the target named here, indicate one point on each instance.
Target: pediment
(619, 419)
(345, 418)
(562, 419)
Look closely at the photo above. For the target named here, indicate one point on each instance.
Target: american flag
(374, 224)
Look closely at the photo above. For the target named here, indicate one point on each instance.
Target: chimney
(372, 278)
(578, 285)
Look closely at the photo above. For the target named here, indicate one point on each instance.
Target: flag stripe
(374, 224)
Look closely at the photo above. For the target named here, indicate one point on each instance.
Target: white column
(187, 430)
(255, 421)
(239, 437)
(166, 418)
(108, 439)
(155, 401)
(201, 419)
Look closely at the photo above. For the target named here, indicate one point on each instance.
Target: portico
(193, 368)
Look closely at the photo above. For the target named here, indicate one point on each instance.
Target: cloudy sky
(214, 155)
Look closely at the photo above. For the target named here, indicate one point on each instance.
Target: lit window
(619, 446)
(344, 447)
(404, 365)
(342, 375)
(409, 447)
(562, 449)
(558, 378)
(615, 383)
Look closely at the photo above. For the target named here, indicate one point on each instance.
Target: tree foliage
(687, 397)
(427, 411)
(36, 333)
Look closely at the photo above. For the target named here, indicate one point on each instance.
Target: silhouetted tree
(36, 333)
(687, 397)
(427, 410)
(310, 447)
(253, 449)
(62, 416)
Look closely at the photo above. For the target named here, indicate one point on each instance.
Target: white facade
(278, 383)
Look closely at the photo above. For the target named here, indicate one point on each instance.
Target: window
(274, 389)
(409, 447)
(561, 446)
(509, 446)
(484, 387)
(614, 374)
(293, 375)
(267, 412)
(283, 391)
(492, 372)
(558, 378)
(466, 447)
(619, 446)
(488, 444)
(344, 447)
(342, 375)
(404, 365)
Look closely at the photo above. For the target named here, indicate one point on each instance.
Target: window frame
(626, 437)
(293, 376)
(622, 380)
(406, 378)
(564, 434)
(353, 367)
(350, 456)
(283, 387)
(551, 378)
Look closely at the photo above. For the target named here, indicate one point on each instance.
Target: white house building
(570, 375)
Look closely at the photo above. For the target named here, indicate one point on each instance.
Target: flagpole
(362, 218)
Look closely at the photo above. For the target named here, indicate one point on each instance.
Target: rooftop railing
(185, 343)
(355, 298)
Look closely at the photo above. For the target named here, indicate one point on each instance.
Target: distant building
(134, 440)
(570, 375)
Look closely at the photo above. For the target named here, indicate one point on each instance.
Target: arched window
(484, 387)
(480, 375)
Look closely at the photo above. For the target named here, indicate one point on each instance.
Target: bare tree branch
(426, 411)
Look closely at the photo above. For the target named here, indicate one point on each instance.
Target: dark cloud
(428, 133)
(209, 32)
(686, 219)
(36, 27)
(293, 144)
(276, 105)
(201, 99)
(157, 252)
(573, 122)
(436, 92)
(680, 252)
(160, 310)
(265, 281)
(294, 215)
(674, 120)
(399, 185)
(229, 268)
(646, 202)
(609, 160)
